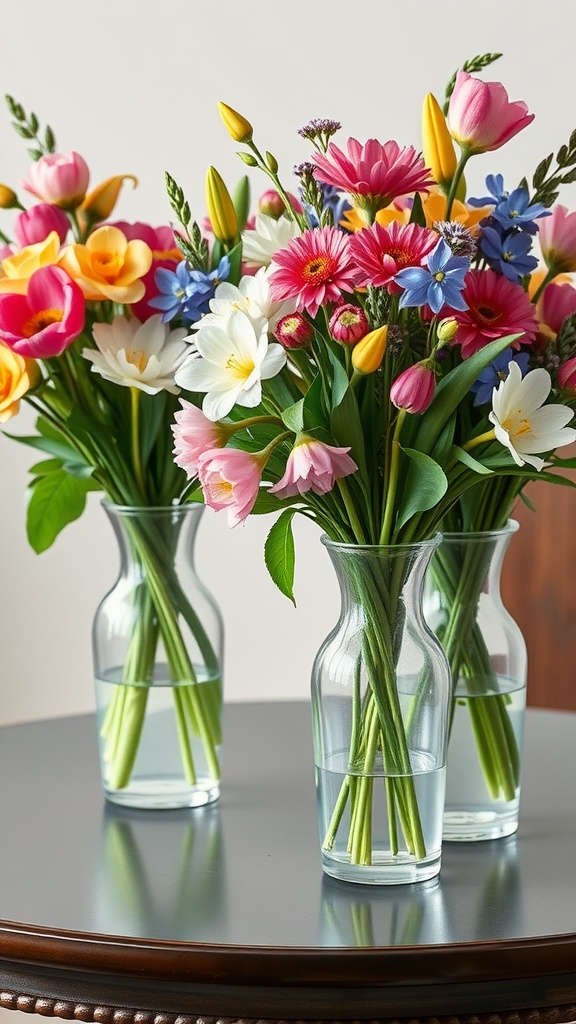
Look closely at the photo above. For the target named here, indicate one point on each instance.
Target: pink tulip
(567, 376)
(36, 223)
(272, 204)
(59, 178)
(230, 479)
(480, 115)
(556, 303)
(194, 434)
(313, 466)
(557, 237)
(413, 389)
(46, 320)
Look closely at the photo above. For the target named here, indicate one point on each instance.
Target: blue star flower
(497, 371)
(438, 284)
(511, 209)
(507, 254)
(186, 293)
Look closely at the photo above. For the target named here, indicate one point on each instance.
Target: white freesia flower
(138, 355)
(230, 364)
(252, 296)
(269, 235)
(522, 422)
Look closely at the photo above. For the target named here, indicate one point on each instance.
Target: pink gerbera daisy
(373, 174)
(313, 269)
(380, 252)
(496, 307)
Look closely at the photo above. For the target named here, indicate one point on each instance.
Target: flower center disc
(41, 320)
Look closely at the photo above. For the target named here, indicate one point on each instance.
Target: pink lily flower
(59, 178)
(230, 479)
(36, 223)
(46, 320)
(194, 434)
(557, 238)
(313, 466)
(480, 115)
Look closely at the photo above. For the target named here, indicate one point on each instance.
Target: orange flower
(434, 207)
(108, 266)
(17, 376)
(18, 269)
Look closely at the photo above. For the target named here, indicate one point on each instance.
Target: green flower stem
(455, 182)
(135, 394)
(460, 581)
(196, 705)
(378, 729)
(389, 508)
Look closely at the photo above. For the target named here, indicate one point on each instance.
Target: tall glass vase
(380, 701)
(157, 644)
(487, 655)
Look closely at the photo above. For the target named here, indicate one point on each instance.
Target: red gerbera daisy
(380, 252)
(373, 174)
(496, 307)
(313, 269)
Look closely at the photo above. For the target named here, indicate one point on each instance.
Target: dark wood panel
(539, 590)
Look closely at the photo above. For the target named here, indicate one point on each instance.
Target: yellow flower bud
(98, 204)
(8, 198)
(368, 353)
(220, 208)
(237, 126)
(437, 145)
(447, 329)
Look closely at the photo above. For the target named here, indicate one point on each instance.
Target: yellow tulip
(8, 198)
(108, 266)
(100, 202)
(237, 126)
(368, 353)
(18, 269)
(17, 376)
(220, 208)
(437, 145)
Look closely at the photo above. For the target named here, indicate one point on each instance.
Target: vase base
(476, 826)
(158, 794)
(386, 869)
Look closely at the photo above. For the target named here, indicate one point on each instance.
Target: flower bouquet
(379, 360)
(84, 343)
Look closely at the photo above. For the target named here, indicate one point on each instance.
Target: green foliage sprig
(471, 67)
(546, 186)
(28, 127)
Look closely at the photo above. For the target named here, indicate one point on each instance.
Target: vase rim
(429, 544)
(137, 510)
(512, 526)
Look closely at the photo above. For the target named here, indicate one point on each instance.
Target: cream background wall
(133, 85)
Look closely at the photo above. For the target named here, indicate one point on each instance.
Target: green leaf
(466, 459)
(55, 500)
(452, 389)
(524, 498)
(345, 422)
(293, 416)
(425, 485)
(279, 554)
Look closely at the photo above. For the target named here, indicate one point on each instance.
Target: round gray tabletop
(109, 914)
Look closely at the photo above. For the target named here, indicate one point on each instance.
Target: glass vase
(157, 644)
(487, 656)
(380, 702)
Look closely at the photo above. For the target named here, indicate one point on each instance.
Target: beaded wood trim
(93, 1013)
